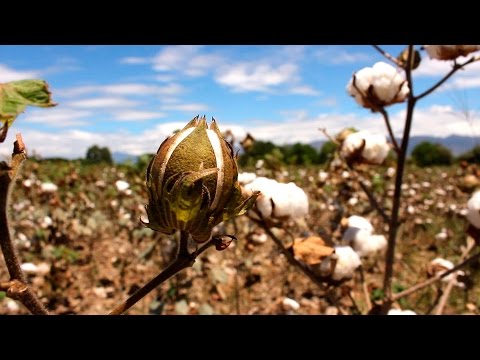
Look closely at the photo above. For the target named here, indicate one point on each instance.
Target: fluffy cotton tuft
(360, 234)
(369, 245)
(401, 312)
(122, 186)
(289, 201)
(442, 265)
(375, 150)
(347, 262)
(378, 86)
(246, 177)
(48, 187)
(449, 52)
(473, 209)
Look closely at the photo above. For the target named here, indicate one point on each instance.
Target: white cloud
(436, 120)
(8, 74)
(256, 77)
(57, 117)
(338, 56)
(134, 60)
(188, 108)
(133, 115)
(123, 89)
(304, 90)
(105, 102)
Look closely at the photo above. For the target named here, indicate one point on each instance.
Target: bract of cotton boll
(48, 187)
(279, 200)
(439, 266)
(121, 185)
(401, 312)
(449, 52)
(347, 262)
(378, 86)
(375, 147)
(246, 177)
(473, 208)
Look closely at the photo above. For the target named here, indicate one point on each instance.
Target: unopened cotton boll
(246, 177)
(449, 52)
(374, 151)
(347, 262)
(48, 187)
(378, 86)
(401, 312)
(473, 209)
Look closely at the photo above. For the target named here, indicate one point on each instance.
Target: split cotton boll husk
(375, 150)
(473, 210)
(378, 86)
(347, 262)
(449, 52)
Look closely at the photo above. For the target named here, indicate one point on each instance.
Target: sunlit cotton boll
(122, 186)
(369, 245)
(378, 86)
(449, 52)
(246, 177)
(48, 187)
(401, 312)
(473, 208)
(443, 265)
(375, 150)
(347, 262)
(288, 199)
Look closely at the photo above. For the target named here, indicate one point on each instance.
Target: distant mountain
(120, 157)
(457, 144)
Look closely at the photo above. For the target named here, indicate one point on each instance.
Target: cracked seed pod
(192, 182)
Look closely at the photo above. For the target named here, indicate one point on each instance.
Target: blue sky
(130, 98)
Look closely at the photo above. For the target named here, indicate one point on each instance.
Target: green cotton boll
(192, 182)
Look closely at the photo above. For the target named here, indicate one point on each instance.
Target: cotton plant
(439, 265)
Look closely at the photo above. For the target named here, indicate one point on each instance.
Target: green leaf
(15, 96)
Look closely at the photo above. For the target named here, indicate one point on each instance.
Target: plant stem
(384, 112)
(393, 226)
(386, 54)
(183, 260)
(434, 279)
(17, 288)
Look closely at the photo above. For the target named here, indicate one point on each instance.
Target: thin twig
(443, 300)
(393, 226)
(365, 290)
(387, 55)
(384, 112)
(455, 68)
(17, 288)
(434, 279)
(318, 280)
